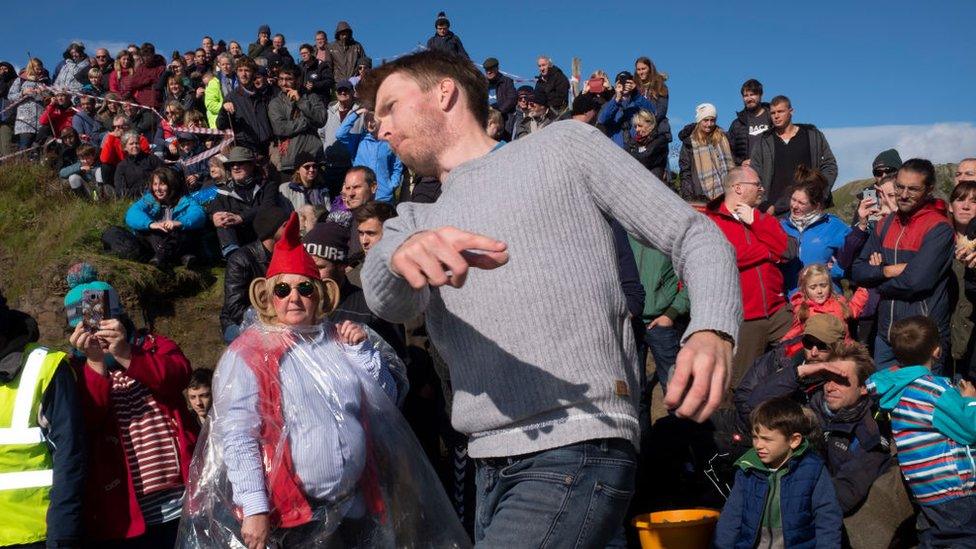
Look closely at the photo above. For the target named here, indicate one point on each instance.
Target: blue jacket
(147, 210)
(819, 243)
(368, 151)
(810, 514)
(615, 116)
(84, 124)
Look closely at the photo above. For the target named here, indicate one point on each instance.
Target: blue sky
(872, 74)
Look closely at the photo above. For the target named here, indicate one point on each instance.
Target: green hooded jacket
(660, 284)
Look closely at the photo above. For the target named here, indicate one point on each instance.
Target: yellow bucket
(678, 529)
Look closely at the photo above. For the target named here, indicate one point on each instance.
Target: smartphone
(94, 309)
(872, 194)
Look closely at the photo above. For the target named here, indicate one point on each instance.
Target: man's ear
(447, 94)
(937, 353)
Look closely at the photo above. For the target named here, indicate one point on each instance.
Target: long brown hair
(654, 87)
(699, 136)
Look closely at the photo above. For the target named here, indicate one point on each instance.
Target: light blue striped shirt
(322, 400)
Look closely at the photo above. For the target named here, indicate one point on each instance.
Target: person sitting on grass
(162, 218)
(80, 176)
(934, 426)
(783, 495)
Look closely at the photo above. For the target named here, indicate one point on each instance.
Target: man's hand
(618, 91)
(814, 368)
(229, 107)
(442, 256)
(255, 530)
(892, 271)
(293, 95)
(350, 333)
(875, 259)
(308, 86)
(661, 322)
(701, 376)
(747, 162)
(745, 212)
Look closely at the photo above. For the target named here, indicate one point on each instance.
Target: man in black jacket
(750, 123)
(245, 110)
(828, 376)
(501, 89)
(554, 84)
(54, 426)
(239, 200)
(246, 264)
(316, 74)
(444, 40)
(780, 151)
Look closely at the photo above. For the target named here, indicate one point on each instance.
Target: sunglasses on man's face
(810, 343)
(880, 172)
(282, 289)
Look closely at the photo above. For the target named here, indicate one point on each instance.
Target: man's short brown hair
(374, 210)
(246, 62)
(427, 68)
(856, 353)
(914, 340)
(781, 99)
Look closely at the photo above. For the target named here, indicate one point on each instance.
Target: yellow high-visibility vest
(25, 459)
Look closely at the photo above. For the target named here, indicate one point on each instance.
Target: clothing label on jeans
(621, 388)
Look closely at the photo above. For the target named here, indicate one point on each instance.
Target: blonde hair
(34, 67)
(494, 115)
(326, 298)
(713, 139)
(807, 274)
(646, 117)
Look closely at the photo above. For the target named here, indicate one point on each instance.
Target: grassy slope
(44, 229)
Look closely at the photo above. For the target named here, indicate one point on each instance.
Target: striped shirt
(937, 468)
(322, 400)
(148, 437)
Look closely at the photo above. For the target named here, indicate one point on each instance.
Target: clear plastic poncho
(306, 428)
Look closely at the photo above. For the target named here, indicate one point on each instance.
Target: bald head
(966, 170)
(739, 174)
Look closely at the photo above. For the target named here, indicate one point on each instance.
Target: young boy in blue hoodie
(934, 426)
(783, 495)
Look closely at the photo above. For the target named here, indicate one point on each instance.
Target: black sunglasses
(283, 290)
(884, 171)
(810, 342)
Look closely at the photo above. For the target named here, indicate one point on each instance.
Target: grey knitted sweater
(540, 350)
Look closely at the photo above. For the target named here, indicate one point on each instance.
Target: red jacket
(111, 510)
(112, 152)
(57, 117)
(833, 306)
(142, 85)
(758, 248)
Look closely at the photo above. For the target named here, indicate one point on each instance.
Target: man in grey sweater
(542, 360)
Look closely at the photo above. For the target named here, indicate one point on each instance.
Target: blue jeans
(573, 496)
(664, 344)
(950, 524)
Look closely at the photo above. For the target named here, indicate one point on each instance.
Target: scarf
(712, 162)
(852, 414)
(801, 223)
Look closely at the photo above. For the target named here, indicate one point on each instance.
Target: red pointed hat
(290, 256)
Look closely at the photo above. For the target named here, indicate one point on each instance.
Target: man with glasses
(966, 170)
(760, 246)
(295, 117)
(553, 83)
(908, 258)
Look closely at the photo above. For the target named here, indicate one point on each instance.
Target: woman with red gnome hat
(301, 422)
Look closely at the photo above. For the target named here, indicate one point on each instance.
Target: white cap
(704, 111)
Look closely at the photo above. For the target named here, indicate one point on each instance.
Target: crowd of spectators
(853, 355)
